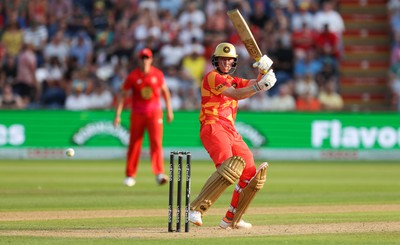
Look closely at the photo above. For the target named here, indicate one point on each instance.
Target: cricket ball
(70, 152)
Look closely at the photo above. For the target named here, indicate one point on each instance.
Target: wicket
(179, 190)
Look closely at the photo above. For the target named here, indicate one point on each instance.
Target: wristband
(255, 88)
(258, 86)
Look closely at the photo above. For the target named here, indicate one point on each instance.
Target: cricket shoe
(129, 181)
(227, 224)
(161, 179)
(195, 217)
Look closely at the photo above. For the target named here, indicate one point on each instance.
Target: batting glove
(266, 82)
(263, 64)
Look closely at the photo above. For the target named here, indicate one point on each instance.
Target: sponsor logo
(146, 93)
(250, 133)
(219, 87)
(333, 134)
(12, 135)
(100, 128)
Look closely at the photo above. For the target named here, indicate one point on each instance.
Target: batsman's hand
(267, 81)
(263, 64)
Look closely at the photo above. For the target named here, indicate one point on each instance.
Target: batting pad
(227, 174)
(248, 193)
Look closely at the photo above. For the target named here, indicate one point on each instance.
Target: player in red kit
(220, 93)
(146, 85)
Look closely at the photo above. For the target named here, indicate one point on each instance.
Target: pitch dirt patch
(199, 232)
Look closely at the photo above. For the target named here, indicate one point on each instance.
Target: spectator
(123, 44)
(327, 73)
(327, 43)
(284, 100)
(146, 26)
(259, 102)
(193, 14)
(329, 16)
(77, 100)
(394, 85)
(99, 18)
(307, 102)
(61, 9)
(191, 101)
(57, 47)
(38, 10)
(77, 21)
(171, 54)
(310, 64)
(26, 84)
(172, 6)
(81, 48)
(10, 100)
(283, 64)
(9, 68)
(101, 97)
(303, 41)
(302, 19)
(12, 38)
(306, 84)
(395, 19)
(176, 100)
(395, 50)
(258, 16)
(37, 35)
(117, 77)
(53, 87)
(330, 100)
(169, 27)
(195, 65)
(217, 22)
(190, 32)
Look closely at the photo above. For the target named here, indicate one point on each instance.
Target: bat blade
(245, 33)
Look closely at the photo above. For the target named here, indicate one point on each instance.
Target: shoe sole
(237, 227)
(163, 182)
(225, 228)
(196, 223)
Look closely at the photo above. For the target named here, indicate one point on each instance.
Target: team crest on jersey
(146, 93)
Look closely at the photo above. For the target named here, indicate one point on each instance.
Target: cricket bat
(245, 34)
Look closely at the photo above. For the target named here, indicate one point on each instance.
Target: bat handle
(263, 72)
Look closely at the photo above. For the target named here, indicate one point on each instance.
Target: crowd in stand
(394, 71)
(74, 54)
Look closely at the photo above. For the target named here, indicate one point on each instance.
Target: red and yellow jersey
(145, 88)
(216, 107)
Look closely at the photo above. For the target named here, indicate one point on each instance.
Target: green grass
(97, 185)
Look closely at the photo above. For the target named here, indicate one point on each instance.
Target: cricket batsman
(220, 93)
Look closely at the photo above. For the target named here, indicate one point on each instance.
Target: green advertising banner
(41, 134)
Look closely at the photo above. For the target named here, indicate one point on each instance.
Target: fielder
(220, 93)
(147, 86)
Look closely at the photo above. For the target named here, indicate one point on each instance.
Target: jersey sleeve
(127, 84)
(219, 83)
(240, 82)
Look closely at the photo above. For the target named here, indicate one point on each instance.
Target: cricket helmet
(226, 50)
